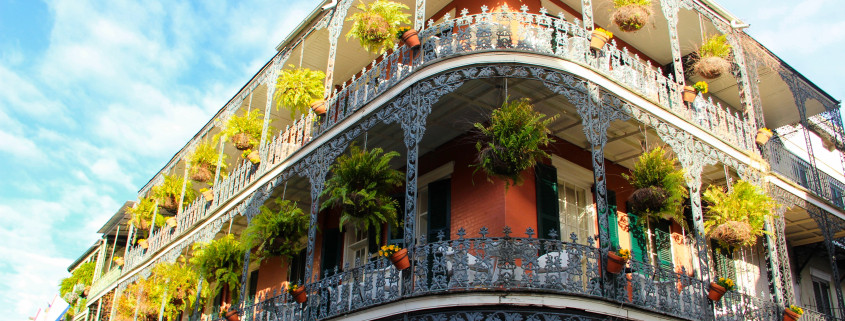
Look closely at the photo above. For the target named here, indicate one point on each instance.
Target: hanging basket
(376, 28)
(241, 141)
(209, 195)
(648, 200)
(202, 173)
(144, 225)
(789, 315)
(319, 106)
(400, 259)
(689, 94)
(232, 315)
(411, 39)
(711, 67)
(172, 222)
(733, 233)
(631, 18)
(169, 203)
(615, 263)
(299, 295)
(763, 136)
(716, 292)
(598, 40)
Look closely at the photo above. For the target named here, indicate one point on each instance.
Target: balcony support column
(829, 228)
(419, 15)
(800, 95)
(670, 11)
(772, 261)
(335, 26)
(785, 273)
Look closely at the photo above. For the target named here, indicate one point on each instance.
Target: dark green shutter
(332, 249)
(548, 202)
(612, 220)
(663, 243)
(639, 240)
(372, 244)
(439, 209)
(253, 284)
(396, 234)
(724, 261)
(297, 267)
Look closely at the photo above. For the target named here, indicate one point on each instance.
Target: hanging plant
(73, 289)
(360, 184)
(631, 15)
(276, 233)
(512, 142)
(203, 162)
(245, 131)
(736, 218)
(298, 88)
(135, 301)
(219, 261)
(168, 193)
(713, 57)
(177, 284)
(142, 214)
(660, 190)
(377, 24)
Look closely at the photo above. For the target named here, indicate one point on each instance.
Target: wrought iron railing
(512, 264)
(802, 172)
(813, 315)
(104, 281)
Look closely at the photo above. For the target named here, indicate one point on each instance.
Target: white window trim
(349, 257)
(578, 176)
(824, 276)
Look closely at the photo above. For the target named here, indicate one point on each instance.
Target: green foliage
(377, 24)
(655, 169)
(219, 262)
(297, 88)
(171, 189)
(360, 184)
(621, 3)
(401, 32)
(745, 203)
(276, 233)
(512, 142)
(84, 274)
(251, 124)
(715, 46)
(177, 284)
(205, 154)
(701, 86)
(142, 214)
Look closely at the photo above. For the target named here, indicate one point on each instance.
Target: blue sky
(95, 96)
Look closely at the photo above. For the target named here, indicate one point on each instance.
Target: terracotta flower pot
(232, 315)
(172, 222)
(319, 107)
(763, 136)
(615, 263)
(789, 315)
(716, 292)
(411, 39)
(400, 259)
(254, 157)
(689, 94)
(87, 290)
(144, 244)
(598, 40)
(299, 295)
(119, 261)
(209, 195)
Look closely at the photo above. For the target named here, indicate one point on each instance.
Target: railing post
(587, 14)
(670, 11)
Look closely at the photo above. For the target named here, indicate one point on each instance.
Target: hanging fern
(177, 284)
(360, 184)
(377, 24)
(168, 193)
(512, 142)
(297, 88)
(135, 301)
(203, 162)
(737, 218)
(142, 214)
(276, 233)
(219, 262)
(661, 189)
(244, 131)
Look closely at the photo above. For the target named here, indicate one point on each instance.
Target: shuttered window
(396, 234)
(331, 253)
(548, 212)
(612, 220)
(663, 243)
(439, 209)
(638, 230)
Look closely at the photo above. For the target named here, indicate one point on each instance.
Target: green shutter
(612, 220)
(253, 284)
(548, 202)
(663, 243)
(439, 209)
(724, 261)
(396, 234)
(332, 246)
(639, 241)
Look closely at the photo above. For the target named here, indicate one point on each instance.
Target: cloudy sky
(95, 96)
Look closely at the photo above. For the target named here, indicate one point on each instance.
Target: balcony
(800, 171)
(507, 264)
(104, 282)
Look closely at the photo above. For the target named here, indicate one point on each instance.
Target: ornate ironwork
(830, 225)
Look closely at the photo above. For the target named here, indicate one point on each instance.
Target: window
(576, 211)
(573, 206)
(821, 293)
(331, 252)
(358, 248)
(434, 203)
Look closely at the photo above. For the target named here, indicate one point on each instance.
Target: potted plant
(763, 136)
(360, 184)
(203, 162)
(207, 193)
(76, 287)
(409, 36)
(512, 141)
(252, 156)
(631, 15)
(718, 288)
(690, 91)
(297, 89)
(280, 233)
(219, 262)
(172, 222)
(118, 260)
(616, 261)
(712, 57)
(143, 243)
(736, 219)
(142, 214)
(792, 313)
(244, 131)
(377, 23)
(397, 256)
(600, 37)
(230, 313)
(660, 187)
(297, 292)
(168, 193)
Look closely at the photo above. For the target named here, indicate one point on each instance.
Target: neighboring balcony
(800, 171)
